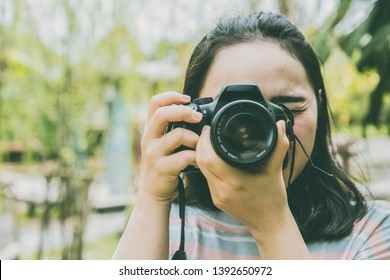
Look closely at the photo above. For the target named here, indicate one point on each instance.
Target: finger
(282, 145)
(207, 160)
(171, 141)
(217, 172)
(175, 163)
(178, 137)
(164, 115)
(166, 99)
(161, 147)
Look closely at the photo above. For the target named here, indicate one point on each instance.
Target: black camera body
(243, 124)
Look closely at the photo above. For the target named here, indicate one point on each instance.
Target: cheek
(305, 129)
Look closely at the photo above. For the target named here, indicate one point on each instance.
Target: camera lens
(243, 133)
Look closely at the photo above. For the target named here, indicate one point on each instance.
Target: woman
(235, 214)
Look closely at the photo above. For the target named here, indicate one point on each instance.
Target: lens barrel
(243, 133)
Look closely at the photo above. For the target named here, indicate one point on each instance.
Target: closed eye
(297, 112)
(284, 99)
(296, 104)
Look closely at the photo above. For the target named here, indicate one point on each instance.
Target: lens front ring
(243, 133)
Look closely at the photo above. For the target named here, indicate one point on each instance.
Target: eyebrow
(287, 99)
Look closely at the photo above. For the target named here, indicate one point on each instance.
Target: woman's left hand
(258, 200)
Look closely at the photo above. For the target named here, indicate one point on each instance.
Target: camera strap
(181, 254)
(293, 138)
(292, 161)
(310, 160)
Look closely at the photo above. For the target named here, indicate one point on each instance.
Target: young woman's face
(281, 79)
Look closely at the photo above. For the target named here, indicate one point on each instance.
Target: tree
(324, 37)
(373, 37)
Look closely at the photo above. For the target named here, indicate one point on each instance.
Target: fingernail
(282, 123)
(197, 115)
(205, 129)
(186, 98)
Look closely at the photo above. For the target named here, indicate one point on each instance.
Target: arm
(258, 200)
(146, 234)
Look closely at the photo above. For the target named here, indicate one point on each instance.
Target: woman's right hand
(147, 232)
(160, 164)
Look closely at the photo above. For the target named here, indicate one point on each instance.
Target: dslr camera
(243, 125)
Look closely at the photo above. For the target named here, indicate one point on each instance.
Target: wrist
(147, 230)
(279, 238)
(272, 224)
(146, 200)
(148, 211)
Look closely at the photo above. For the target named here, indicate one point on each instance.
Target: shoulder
(371, 235)
(369, 239)
(378, 210)
(377, 219)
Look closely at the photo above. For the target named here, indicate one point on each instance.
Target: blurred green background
(75, 81)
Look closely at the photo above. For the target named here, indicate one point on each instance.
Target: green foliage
(371, 38)
(322, 40)
(348, 90)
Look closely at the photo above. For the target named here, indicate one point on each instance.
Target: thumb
(282, 145)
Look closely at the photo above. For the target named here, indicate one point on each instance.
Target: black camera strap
(181, 254)
(292, 161)
(293, 138)
(311, 161)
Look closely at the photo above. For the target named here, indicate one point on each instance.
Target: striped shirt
(216, 235)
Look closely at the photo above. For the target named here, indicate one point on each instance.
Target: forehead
(264, 63)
